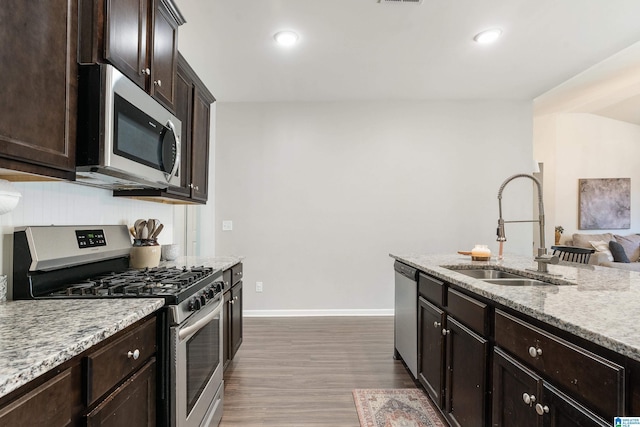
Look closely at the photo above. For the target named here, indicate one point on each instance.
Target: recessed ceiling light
(286, 38)
(488, 36)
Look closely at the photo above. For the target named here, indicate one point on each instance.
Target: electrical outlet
(258, 286)
(227, 225)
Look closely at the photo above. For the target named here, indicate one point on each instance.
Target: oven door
(196, 371)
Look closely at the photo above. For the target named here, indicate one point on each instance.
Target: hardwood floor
(300, 371)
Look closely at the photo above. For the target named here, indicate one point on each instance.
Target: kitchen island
(495, 354)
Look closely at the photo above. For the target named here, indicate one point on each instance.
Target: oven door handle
(201, 323)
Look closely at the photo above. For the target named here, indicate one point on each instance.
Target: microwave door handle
(176, 164)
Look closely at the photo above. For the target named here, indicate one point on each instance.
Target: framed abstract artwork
(604, 203)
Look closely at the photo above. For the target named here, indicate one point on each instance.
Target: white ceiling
(364, 50)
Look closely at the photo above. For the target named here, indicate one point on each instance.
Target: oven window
(203, 357)
(137, 136)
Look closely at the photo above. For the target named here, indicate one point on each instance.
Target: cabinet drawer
(431, 289)
(469, 311)
(586, 376)
(108, 366)
(46, 405)
(236, 274)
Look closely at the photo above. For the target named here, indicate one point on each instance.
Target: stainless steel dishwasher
(406, 316)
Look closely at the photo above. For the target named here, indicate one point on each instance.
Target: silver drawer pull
(534, 352)
(445, 332)
(135, 354)
(437, 324)
(528, 399)
(541, 410)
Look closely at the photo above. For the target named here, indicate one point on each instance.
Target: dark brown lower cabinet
(466, 380)
(232, 312)
(452, 366)
(522, 398)
(101, 387)
(431, 350)
(236, 319)
(131, 404)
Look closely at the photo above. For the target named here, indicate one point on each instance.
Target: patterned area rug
(402, 407)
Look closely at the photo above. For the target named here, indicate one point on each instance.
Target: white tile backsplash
(62, 203)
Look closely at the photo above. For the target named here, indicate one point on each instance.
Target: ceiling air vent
(401, 1)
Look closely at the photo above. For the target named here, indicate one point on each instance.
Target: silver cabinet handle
(534, 352)
(135, 354)
(528, 399)
(158, 82)
(235, 298)
(541, 410)
(446, 332)
(437, 324)
(146, 71)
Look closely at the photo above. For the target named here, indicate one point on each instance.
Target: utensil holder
(144, 256)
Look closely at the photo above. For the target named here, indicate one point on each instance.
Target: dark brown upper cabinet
(39, 90)
(139, 37)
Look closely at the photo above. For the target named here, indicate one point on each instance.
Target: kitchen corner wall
(574, 146)
(63, 203)
(321, 193)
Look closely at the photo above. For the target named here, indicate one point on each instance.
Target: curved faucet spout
(542, 266)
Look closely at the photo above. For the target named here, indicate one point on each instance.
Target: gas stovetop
(172, 283)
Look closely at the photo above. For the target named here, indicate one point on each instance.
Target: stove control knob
(203, 299)
(194, 304)
(219, 286)
(211, 292)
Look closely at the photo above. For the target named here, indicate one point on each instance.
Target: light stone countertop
(38, 335)
(599, 304)
(219, 262)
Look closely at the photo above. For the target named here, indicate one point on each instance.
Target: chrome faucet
(542, 258)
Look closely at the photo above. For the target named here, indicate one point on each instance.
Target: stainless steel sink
(517, 282)
(485, 274)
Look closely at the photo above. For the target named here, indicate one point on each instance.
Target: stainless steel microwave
(126, 139)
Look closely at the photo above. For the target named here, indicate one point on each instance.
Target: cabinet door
(516, 391)
(466, 375)
(559, 410)
(200, 147)
(39, 90)
(132, 404)
(183, 103)
(126, 32)
(164, 55)
(236, 318)
(431, 321)
(226, 330)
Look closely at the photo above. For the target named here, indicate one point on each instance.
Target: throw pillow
(582, 240)
(618, 252)
(631, 245)
(602, 247)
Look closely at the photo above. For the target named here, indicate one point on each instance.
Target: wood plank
(293, 371)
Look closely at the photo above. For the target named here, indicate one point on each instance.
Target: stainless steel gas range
(88, 262)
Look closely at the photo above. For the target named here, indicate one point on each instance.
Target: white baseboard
(313, 313)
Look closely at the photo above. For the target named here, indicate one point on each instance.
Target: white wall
(321, 193)
(578, 146)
